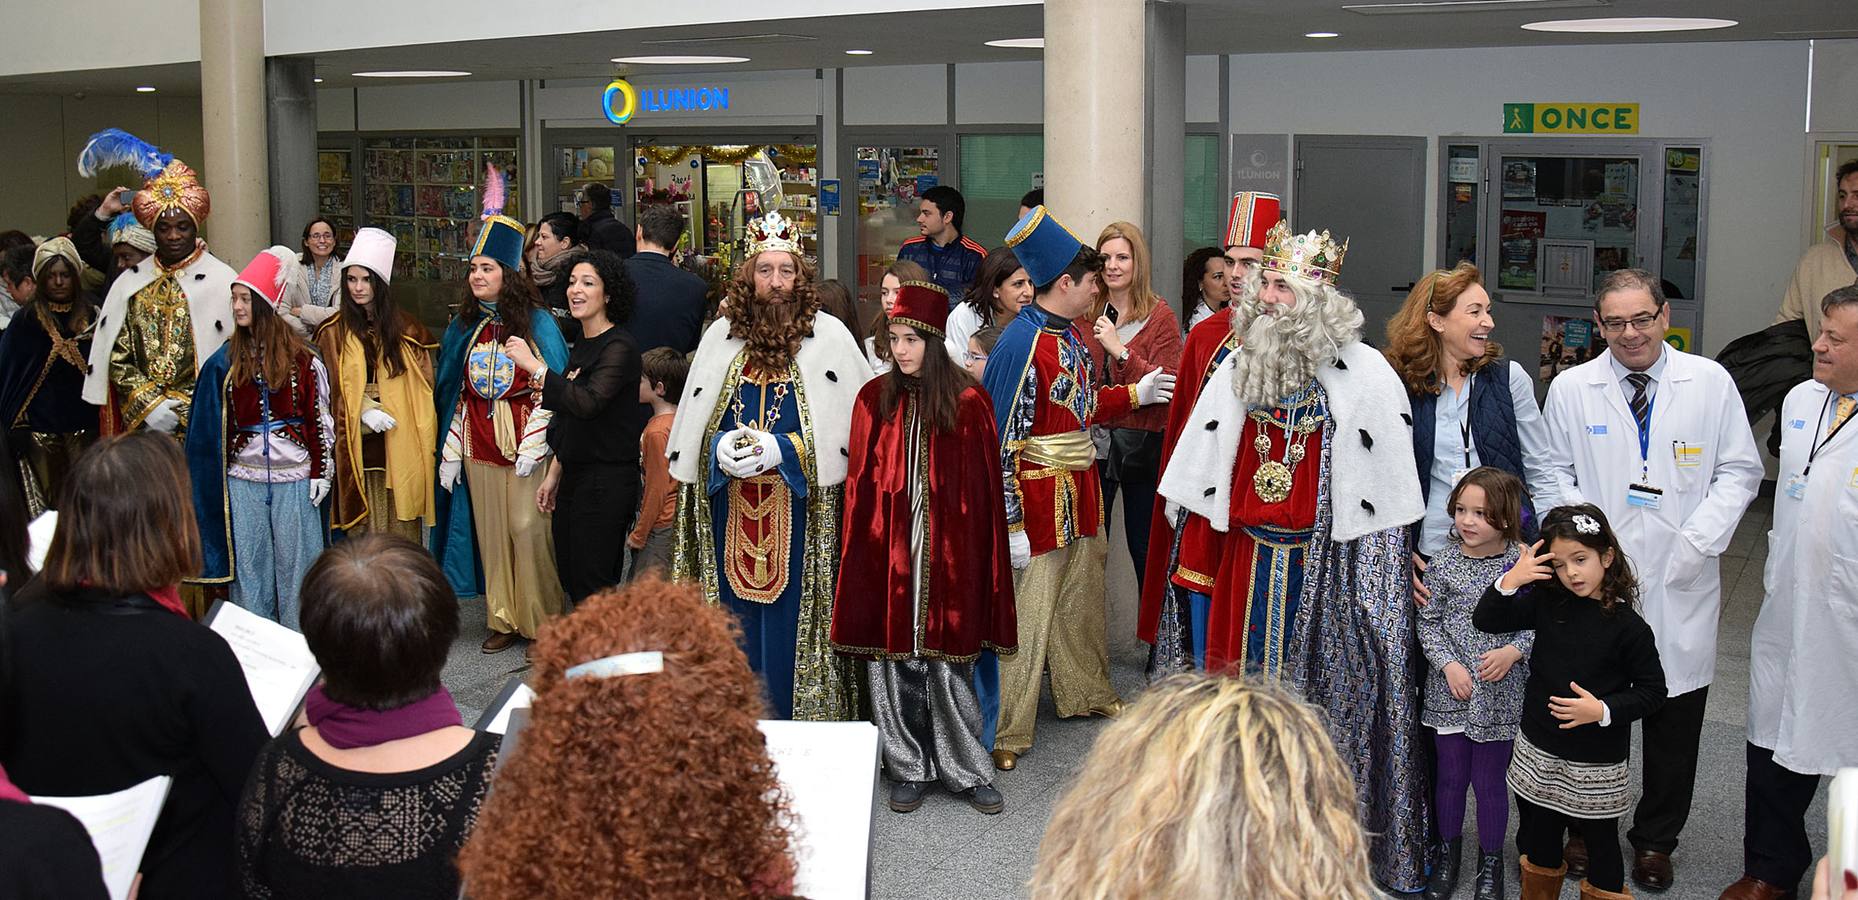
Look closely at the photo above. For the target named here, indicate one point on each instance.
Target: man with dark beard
(760, 447)
(1299, 452)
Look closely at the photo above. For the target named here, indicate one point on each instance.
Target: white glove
(165, 417)
(377, 420)
(1019, 546)
(525, 465)
(449, 470)
(764, 454)
(1155, 387)
(319, 490)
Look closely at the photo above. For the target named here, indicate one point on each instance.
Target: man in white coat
(1657, 438)
(1802, 674)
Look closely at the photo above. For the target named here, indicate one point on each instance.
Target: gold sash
(1071, 451)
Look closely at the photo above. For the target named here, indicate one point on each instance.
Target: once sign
(1570, 118)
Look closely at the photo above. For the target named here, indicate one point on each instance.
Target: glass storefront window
(1683, 169)
(577, 167)
(720, 187)
(997, 170)
(1205, 213)
(1565, 221)
(1463, 187)
(890, 179)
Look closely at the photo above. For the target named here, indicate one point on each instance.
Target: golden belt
(1072, 451)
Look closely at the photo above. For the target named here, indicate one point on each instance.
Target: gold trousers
(1061, 624)
(381, 518)
(515, 548)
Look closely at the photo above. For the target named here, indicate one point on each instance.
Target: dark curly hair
(1618, 586)
(656, 785)
(621, 293)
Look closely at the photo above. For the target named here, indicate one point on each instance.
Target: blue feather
(116, 147)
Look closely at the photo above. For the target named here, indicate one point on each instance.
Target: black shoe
(905, 796)
(1444, 878)
(1489, 876)
(984, 799)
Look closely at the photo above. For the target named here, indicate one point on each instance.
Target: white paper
(830, 772)
(279, 667)
(119, 826)
(38, 543)
(521, 698)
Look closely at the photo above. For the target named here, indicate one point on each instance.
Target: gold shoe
(1108, 710)
(1005, 760)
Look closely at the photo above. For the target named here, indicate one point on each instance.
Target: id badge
(1796, 487)
(1644, 496)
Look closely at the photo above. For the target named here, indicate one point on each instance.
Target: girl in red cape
(925, 581)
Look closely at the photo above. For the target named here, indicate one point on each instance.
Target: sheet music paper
(515, 695)
(38, 542)
(279, 668)
(830, 772)
(119, 825)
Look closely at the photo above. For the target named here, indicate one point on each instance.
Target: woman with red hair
(642, 737)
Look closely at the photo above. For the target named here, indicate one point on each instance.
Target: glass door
(578, 165)
(720, 187)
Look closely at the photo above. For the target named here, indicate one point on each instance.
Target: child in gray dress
(1474, 689)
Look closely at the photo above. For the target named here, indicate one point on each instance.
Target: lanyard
(1645, 441)
(1464, 420)
(1818, 444)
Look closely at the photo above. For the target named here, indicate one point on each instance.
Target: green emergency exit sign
(1570, 118)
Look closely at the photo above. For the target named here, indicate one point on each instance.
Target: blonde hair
(1142, 299)
(1208, 787)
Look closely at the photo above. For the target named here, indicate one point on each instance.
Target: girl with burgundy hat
(260, 444)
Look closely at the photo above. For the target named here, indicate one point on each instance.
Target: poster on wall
(1567, 341)
(1517, 240)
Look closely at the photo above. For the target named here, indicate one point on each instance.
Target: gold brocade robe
(153, 358)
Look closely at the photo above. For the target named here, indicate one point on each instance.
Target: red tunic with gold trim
(1041, 379)
(924, 570)
(501, 411)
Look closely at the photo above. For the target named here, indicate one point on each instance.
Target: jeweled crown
(772, 232)
(1311, 256)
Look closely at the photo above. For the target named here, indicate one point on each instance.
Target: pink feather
(493, 191)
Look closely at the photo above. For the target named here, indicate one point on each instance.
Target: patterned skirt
(1578, 789)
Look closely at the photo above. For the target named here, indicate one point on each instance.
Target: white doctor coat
(1701, 454)
(1803, 672)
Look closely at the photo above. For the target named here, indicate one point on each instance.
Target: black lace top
(309, 829)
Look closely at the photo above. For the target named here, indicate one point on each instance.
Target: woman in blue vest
(1471, 407)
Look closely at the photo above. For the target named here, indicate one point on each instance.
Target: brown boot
(1540, 883)
(1589, 892)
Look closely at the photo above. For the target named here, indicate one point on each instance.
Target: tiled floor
(947, 850)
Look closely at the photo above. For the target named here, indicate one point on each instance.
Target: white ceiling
(943, 36)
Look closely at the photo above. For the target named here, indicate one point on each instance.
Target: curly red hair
(655, 785)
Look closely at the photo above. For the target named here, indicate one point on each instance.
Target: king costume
(260, 457)
(1311, 494)
(766, 544)
(1045, 396)
(925, 582)
(160, 321)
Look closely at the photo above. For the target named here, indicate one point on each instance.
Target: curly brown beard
(773, 327)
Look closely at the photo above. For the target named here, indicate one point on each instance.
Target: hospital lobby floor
(947, 850)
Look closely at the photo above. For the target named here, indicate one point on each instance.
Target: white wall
(1835, 87)
(1000, 93)
(45, 133)
(1747, 99)
(897, 95)
(44, 36)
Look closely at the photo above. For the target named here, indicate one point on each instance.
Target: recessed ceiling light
(317, 80)
(145, 89)
(1321, 34)
(858, 53)
(679, 60)
(1037, 43)
(1630, 25)
(412, 73)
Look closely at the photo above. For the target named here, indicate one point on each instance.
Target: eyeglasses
(1639, 323)
(973, 357)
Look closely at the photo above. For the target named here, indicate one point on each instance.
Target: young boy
(661, 383)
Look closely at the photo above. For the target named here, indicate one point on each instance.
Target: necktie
(1641, 404)
(1843, 411)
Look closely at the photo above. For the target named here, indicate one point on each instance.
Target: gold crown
(772, 232)
(1311, 256)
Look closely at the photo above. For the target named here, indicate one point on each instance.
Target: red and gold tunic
(501, 416)
(1044, 391)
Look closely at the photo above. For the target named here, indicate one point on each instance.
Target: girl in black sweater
(1594, 670)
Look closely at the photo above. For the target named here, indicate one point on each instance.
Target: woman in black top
(377, 795)
(110, 684)
(1594, 670)
(593, 485)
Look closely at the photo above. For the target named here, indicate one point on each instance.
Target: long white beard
(1282, 350)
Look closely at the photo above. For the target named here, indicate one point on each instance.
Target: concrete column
(232, 99)
(290, 89)
(1165, 224)
(534, 170)
(1095, 113)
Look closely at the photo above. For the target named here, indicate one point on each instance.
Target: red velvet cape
(969, 602)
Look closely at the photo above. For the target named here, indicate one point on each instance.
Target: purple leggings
(1481, 766)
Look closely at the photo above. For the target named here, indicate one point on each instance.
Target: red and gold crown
(1311, 256)
(772, 232)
